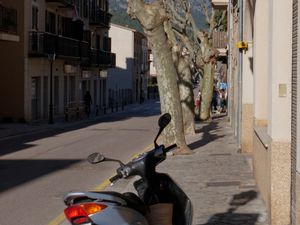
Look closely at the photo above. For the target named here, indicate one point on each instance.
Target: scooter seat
(131, 199)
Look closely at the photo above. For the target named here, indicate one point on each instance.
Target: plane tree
(152, 17)
(202, 55)
(177, 45)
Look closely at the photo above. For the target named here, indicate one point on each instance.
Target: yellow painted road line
(102, 186)
(142, 151)
(61, 217)
(58, 220)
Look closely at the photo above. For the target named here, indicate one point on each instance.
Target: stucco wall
(247, 128)
(262, 172)
(273, 177)
(281, 182)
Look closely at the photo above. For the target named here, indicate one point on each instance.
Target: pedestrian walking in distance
(87, 103)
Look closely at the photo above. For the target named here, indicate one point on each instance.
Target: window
(79, 7)
(105, 43)
(50, 22)
(105, 8)
(34, 18)
(59, 25)
(86, 8)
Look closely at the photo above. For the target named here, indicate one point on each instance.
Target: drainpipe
(229, 56)
(240, 73)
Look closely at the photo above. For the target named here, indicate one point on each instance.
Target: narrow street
(37, 169)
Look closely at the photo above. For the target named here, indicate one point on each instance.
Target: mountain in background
(118, 8)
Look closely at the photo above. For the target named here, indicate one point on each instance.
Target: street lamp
(51, 58)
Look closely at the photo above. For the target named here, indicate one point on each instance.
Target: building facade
(264, 69)
(63, 51)
(127, 83)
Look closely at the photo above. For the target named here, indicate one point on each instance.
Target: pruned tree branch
(185, 40)
(204, 8)
(224, 13)
(174, 13)
(147, 14)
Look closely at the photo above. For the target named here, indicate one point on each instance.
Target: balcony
(42, 44)
(99, 17)
(102, 59)
(219, 4)
(220, 41)
(107, 44)
(68, 3)
(8, 20)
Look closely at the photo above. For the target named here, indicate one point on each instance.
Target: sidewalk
(217, 178)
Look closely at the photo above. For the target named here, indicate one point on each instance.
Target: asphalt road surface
(37, 169)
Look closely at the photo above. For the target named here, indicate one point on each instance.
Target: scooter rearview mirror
(164, 120)
(95, 158)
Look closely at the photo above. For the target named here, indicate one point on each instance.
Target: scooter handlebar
(170, 148)
(115, 178)
(136, 167)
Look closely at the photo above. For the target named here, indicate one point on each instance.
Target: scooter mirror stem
(115, 160)
(159, 132)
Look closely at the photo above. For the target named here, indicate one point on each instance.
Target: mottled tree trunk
(186, 96)
(151, 16)
(207, 90)
(168, 88)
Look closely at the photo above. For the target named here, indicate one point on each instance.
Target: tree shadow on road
(24, 138)
(19, 171)
(231, 217)
(14, 173)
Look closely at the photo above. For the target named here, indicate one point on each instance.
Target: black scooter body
(152, 188)
(163, 189)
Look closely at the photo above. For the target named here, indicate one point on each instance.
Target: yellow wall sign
(242, 45)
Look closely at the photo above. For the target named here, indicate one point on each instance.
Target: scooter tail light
(78, 214)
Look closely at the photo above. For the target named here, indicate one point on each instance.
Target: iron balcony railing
(219, 39)
(42, 44)
(102, 58)
(8, 20)
(99, 17)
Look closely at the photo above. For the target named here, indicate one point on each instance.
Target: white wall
(123, 45)
(261, 59)
(247, 77)
(247, 97)
(280, 70)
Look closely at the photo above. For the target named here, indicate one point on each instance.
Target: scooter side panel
(183, 209)
(118, 215)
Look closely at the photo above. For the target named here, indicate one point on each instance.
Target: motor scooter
(153, 188)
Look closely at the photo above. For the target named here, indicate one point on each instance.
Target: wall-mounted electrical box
(243, 45)
(282, 92)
